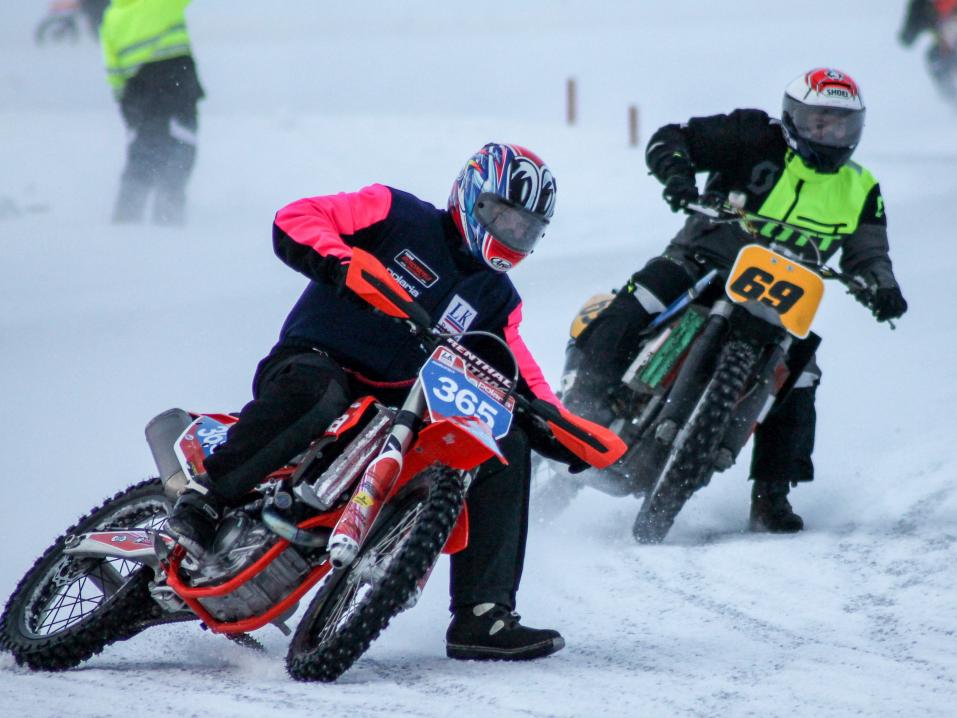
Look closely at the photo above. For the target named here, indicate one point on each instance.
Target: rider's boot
(491, 631)
(196, 515)
(771, 511)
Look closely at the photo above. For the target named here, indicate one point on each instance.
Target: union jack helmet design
(823, 118)
(502, 201)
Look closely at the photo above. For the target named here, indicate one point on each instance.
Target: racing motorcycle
(709, 369)
(363, 513)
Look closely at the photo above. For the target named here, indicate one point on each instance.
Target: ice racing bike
(709, 369)
(363, 514)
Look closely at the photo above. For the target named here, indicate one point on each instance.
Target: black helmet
(823, 118)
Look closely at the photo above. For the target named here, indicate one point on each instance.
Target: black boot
(770, 509)
(490, 631)
(195, 517)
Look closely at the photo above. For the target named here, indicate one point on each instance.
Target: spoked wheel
(355, 604)
(693, 454)
(67, 608)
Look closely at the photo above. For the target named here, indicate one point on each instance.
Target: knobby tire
(122, 611)
(693, 461)
(438, 495)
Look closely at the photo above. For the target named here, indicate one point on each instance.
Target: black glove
(543, 442)
(680, 190)
(888, 303)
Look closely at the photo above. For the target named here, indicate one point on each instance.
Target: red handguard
(590, 442)
(369, 279)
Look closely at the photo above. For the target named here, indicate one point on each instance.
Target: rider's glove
(888, 303)
(680, 190)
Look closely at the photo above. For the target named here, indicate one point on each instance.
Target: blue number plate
(450, 391)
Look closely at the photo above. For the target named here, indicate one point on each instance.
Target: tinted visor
(830, 126)
(512, 225)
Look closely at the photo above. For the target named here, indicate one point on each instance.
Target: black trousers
(159, 107)
(490, 568)
(298, 392)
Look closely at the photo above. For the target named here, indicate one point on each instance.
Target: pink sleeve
(527, 366)
(320, 222)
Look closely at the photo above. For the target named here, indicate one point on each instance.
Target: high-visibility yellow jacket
(137, 32)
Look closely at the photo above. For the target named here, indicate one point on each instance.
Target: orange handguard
(369, 279)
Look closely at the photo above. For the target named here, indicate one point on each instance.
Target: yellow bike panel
(791, 289)
(591, 309)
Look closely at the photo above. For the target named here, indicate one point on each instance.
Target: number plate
(450, 390)
(794, 291)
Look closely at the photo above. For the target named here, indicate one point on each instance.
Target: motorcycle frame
(456, 442)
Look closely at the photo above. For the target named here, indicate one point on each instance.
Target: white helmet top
(823, 118)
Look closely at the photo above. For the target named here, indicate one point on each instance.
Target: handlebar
(724, 212)
(590, 442)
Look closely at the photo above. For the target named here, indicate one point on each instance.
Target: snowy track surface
(101, 328)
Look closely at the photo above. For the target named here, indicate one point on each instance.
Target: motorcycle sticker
(199, 441)
(792, 290)
(450, 391)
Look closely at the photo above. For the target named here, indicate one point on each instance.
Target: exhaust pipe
(161, 435)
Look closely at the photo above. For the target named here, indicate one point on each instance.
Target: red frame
(432, 444)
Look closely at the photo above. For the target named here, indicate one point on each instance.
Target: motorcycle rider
(923, 15)
(931, 16)
(333, 348)
(796, 170)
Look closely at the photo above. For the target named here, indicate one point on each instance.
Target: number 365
(465, 400)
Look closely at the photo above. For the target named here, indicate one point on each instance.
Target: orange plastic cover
(369, 278)
(602, 447)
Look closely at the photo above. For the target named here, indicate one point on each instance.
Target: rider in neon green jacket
(797, 170)
(149, 65)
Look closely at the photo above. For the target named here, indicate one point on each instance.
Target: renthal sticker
(458, 316)
(420, 271)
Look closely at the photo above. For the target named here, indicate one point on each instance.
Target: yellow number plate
(794, 291)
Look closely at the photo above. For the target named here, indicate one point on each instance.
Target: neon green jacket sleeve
(137, 32)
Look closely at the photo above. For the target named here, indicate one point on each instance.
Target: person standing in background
(150, 67)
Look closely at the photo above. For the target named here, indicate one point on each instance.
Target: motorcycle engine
(242, 541)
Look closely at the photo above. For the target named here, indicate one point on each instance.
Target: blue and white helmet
(502, 202)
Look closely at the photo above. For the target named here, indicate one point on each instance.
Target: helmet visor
(514, 226)
(829, 126)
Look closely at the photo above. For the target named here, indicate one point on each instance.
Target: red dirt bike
(364, 513)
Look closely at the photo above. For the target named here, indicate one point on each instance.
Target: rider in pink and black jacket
(333, 348)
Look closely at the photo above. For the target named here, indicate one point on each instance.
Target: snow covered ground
(103, 327)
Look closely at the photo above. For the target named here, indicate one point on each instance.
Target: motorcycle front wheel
(68, 608)
(693, 454)
(356, 603)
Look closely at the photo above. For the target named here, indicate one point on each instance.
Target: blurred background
(104, 326)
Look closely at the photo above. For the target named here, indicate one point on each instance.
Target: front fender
(463, 444)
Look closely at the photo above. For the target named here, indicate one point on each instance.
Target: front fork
(376, 483)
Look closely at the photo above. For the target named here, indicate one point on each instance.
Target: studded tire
(68, 608)
(693, 455)
(340, 624)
